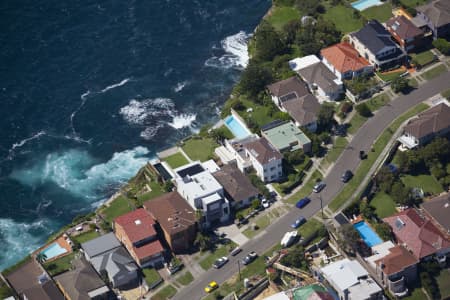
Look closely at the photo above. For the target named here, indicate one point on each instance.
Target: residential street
(349, 159)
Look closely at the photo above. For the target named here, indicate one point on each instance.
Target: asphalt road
(349, 159)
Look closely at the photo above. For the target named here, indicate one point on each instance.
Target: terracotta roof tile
(397, 260)
(403, 27)
(344, 58)
(137, 225)
(149, 249)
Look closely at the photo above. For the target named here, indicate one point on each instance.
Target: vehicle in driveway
(346, 176)
(220, 262)
(303, 202)
(319, 186)
(289, 238)
(299, 222)
(265, 203)
(211, 286)
(249, 258)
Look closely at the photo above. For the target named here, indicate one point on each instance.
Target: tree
(442, 45)
(366, 209)
(384, 179)
(203, 241)
(41, 257)
(168, 186)
(384, 231)
(290, 31)
(295, 258)
(364, 110)
(350, 237)
(255, 204)
(268, 42)
(400, 84)
(401, 193)
(254, 79)
(295, 157)
(325, 117)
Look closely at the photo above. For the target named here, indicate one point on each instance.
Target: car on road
(346, 176)
(265, 203)
(299, 222)
(235, 251)
(211, 286)
(319, 186)
(249, 258)
(303, 202)
(220, 262)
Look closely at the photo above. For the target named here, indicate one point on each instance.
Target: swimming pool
(238, 129)
(363, 4)
(367, 234)
(53, 250)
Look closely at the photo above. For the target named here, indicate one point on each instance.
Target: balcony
(408, 141)
(397, 286)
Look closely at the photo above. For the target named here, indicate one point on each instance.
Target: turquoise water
(364, 4)
(236, 127)
(53, 251)
(367, 234)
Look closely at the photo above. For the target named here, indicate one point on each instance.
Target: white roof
(224, 154)
(302, 62)
(379, 251)
(211, 166)
(279, 296)
(364, 289)
(199, 185)
(211, 199)
(344, 273)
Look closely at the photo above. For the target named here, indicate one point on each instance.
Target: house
(374, 43)
(438, 211)
(83, 283)
(427, 125)
(344, 61)
(107, 255)
(308, 292)
(265, 159)
(292, 96)
(418, 234)
(176, 218)
(405, 33)
(436, 15)
(394, 266)
(286, 137)
(238, 187)
(136, 230)
(31, 282)
(203, 193)
(324, 83)
(351, 281)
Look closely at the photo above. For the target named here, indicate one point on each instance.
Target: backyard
(381, 13)
(86, 236)
(118, 207)
(281, 15)
(59, 265)
(384, 205)
(176, 160)
(156, 190)
(427, 183)
(200, 149)
(344, 18)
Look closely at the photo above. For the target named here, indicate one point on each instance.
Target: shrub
(364, 110)
(399, 84)
(442, 45)
(346, 107)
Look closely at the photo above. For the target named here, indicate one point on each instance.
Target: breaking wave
(180, 86)
(236, 52)
(183, 120)
(23, 142)
(113, 86)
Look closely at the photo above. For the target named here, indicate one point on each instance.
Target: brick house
(405, 33)
(436, 15)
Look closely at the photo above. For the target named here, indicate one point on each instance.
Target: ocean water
(90, 90)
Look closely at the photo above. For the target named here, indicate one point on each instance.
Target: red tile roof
(344, 57)
(417, 233)
(149, 249)
(397, 260)
(137, 225)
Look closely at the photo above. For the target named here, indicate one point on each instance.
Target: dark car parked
(346, 176)
(303, 202)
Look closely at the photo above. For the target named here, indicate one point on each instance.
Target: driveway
(349, 159)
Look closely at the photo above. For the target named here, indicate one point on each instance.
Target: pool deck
(62, 242)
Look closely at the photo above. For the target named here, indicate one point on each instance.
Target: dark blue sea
(90, 90)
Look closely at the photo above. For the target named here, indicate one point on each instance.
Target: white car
(265, 203)
(220, 262)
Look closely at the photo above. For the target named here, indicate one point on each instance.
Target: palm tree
(41, 257)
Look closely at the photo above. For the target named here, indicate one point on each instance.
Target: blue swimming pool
(236, 127)
(363, 4)
(53, 250)
(367, 234)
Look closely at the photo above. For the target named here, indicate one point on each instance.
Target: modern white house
(321, 81)
(203, 192)
(265, 159)
(351, 281)
(374, 43)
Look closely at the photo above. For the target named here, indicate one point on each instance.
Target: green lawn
(281, 15)
(86, 236)
(446, 94)
(165, 293)
(339, 145)
(342, 17)
(426, 182)
(348, 190)
(151, 276)
(443, 281)
(156, 191)
(260, 115)
(381, 13)
(200, 149)
(117, 208)
(423, 58)
(416, 294)
(378, 102)
(384, 205)
(262, 222)
(306, 189)
(186, 278)
(356, 122)
(5, 291)
(60, 265)
(176, 160)
(434, 72)
(222, 250)
(390, 75)
(413, 3)
(311, 226)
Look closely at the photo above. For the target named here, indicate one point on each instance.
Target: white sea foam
(183, 120)
(140, 111)
(79, 173)
(113, 86)
(180, 86)
(23, 142)
(149, 132)
(236, 52)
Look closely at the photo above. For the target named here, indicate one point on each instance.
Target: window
(273, 168)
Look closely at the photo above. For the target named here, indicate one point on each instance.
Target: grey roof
(101, 244)
(430, 121)
(374, 36)
(320, 75)
(235, 183)
(288, 86)
(79, 282)
(437, 11)
(303, 110)
(115, 262)
(439, 209)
